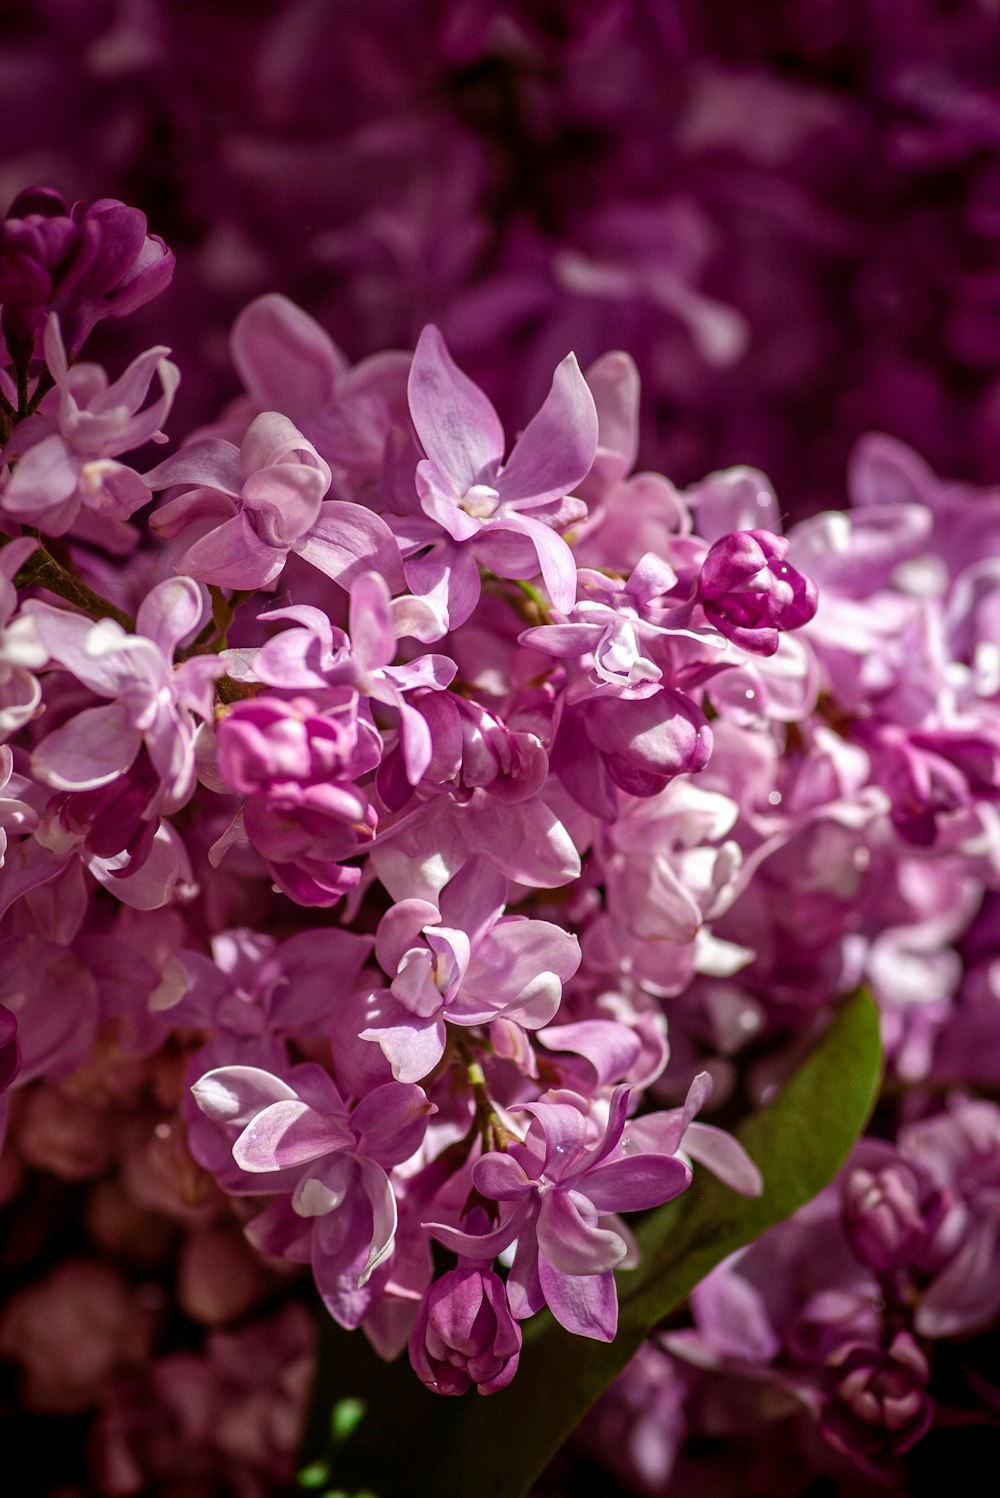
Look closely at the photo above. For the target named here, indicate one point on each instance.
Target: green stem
(46, 382)
(491, 1131)
(530, 592)
(43, 571)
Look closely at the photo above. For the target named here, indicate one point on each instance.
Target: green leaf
(411, 1441)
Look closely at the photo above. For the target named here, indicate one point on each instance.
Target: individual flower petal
(456, 423)
(585, 1304)
(287, 1133)
(92, 749)
(555, 451)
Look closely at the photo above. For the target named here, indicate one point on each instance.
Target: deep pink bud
(882, 1215)
(86, 262)
(268, 742)
(750, 593)
(879, 1406)
(303, 812)
(465, 1334)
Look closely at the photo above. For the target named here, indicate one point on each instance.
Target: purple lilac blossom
(666, 786)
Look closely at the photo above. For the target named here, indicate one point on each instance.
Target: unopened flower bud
(465, 1334)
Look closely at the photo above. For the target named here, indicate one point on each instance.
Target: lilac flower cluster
(376, 787)
(829, 1327)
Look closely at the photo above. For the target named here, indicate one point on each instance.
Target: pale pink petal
(586, 1305)
(456, 423)
(724, 1156)
(378, 1189)
(286, 361)
(400, 928)
(209, 461)
(234, 1094)
(570, 1237)
(391, 1122)
(233, 556)
(373, 643)
(287, 1133)
(92, 749)
(347, 540)
(283, 501)
(556, 449)
(614, 383)
(448, 578)
(555, 561)
(169, 612)
(501, 1179)
(272, 439)
(481, 1245)
(412, 1045)
(635, 1183)
(44, 476)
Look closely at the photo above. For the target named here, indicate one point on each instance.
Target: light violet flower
(504, 516)
(617, 627)
(298, 1136)
(150, 702)
(66, 454)
(316, 655)
(465, 963)
(562, 1185)
(257, 502)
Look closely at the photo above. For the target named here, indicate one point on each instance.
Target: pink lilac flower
(503, 515)
(66, 455)
(317, 655)
(256, 503)
(86, 262)
(298, 1136)
(150, 702)
(464, 1335)
(464, 963)
(562, 1186)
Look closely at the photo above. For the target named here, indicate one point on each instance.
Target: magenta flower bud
(303, 812)
(750, 593)
(880, 1406)
(85, 263)
(465, 1334)
(882, 1215)
(647, 741)
(267, 742)
(922, 785)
